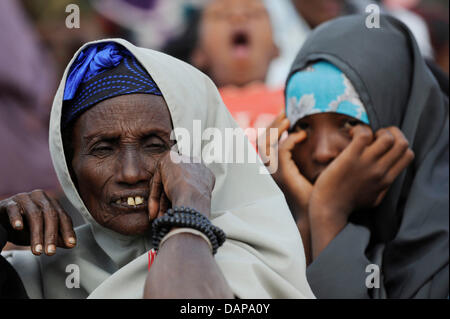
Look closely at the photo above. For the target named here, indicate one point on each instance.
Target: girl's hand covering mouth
(179, 181)
(362, 174)
(46, 225)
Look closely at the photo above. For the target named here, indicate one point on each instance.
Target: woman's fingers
(48, 225)
(164, 204)
(156, 188)
(51, 221)
(68, 237)
(35, 221)
(15, 218)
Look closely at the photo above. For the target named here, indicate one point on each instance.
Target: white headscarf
(263, 255)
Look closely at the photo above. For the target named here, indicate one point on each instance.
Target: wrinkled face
(316, 12)
(235, 42)
(116, 146)
(328, 134)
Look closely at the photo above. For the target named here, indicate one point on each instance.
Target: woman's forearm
(185, 268)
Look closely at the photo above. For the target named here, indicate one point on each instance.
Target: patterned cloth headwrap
(321, 87)
(103, 71)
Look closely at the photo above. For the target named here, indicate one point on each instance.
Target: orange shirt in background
(254, 106)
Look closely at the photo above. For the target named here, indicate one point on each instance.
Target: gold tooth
(138, 200)
(130, 201)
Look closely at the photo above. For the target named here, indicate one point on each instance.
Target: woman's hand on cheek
(361, 175)
(180, 181)
(185, 266)
(38, 220)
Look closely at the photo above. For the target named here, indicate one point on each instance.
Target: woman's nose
(325, 151)
(131, 170)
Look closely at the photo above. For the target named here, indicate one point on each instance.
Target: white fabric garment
(263, 255)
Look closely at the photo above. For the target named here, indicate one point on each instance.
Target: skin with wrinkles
(117, 145)
(121, 147)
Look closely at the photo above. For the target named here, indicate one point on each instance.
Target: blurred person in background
(428, 21)
(436, 16)
(235, 43)
(49, 20)
(150, 22)
(293, 20)
(437, 20)
(402, 10)
(27, 82)
(232, 42)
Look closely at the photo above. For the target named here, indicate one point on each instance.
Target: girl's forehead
(327, 116)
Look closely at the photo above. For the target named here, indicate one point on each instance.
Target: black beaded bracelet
(182, 217)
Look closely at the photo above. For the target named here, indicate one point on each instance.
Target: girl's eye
(351, 123)
(301, 126)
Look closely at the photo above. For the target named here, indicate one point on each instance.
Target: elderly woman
(113, 151)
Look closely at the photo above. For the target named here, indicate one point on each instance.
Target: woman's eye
(102, 150)
(155, 146)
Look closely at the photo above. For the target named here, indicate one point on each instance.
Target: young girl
(364, 168)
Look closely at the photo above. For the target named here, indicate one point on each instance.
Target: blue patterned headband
(319, 88)
(102, 71)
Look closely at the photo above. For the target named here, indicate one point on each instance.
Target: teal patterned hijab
(321, 87)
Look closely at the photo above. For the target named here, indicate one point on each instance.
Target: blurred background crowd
(245, 46)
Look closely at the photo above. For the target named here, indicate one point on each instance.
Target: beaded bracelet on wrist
(187, 217)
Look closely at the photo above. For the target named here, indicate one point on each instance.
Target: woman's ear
(199, 59)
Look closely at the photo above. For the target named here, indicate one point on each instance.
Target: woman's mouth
(131, 203)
